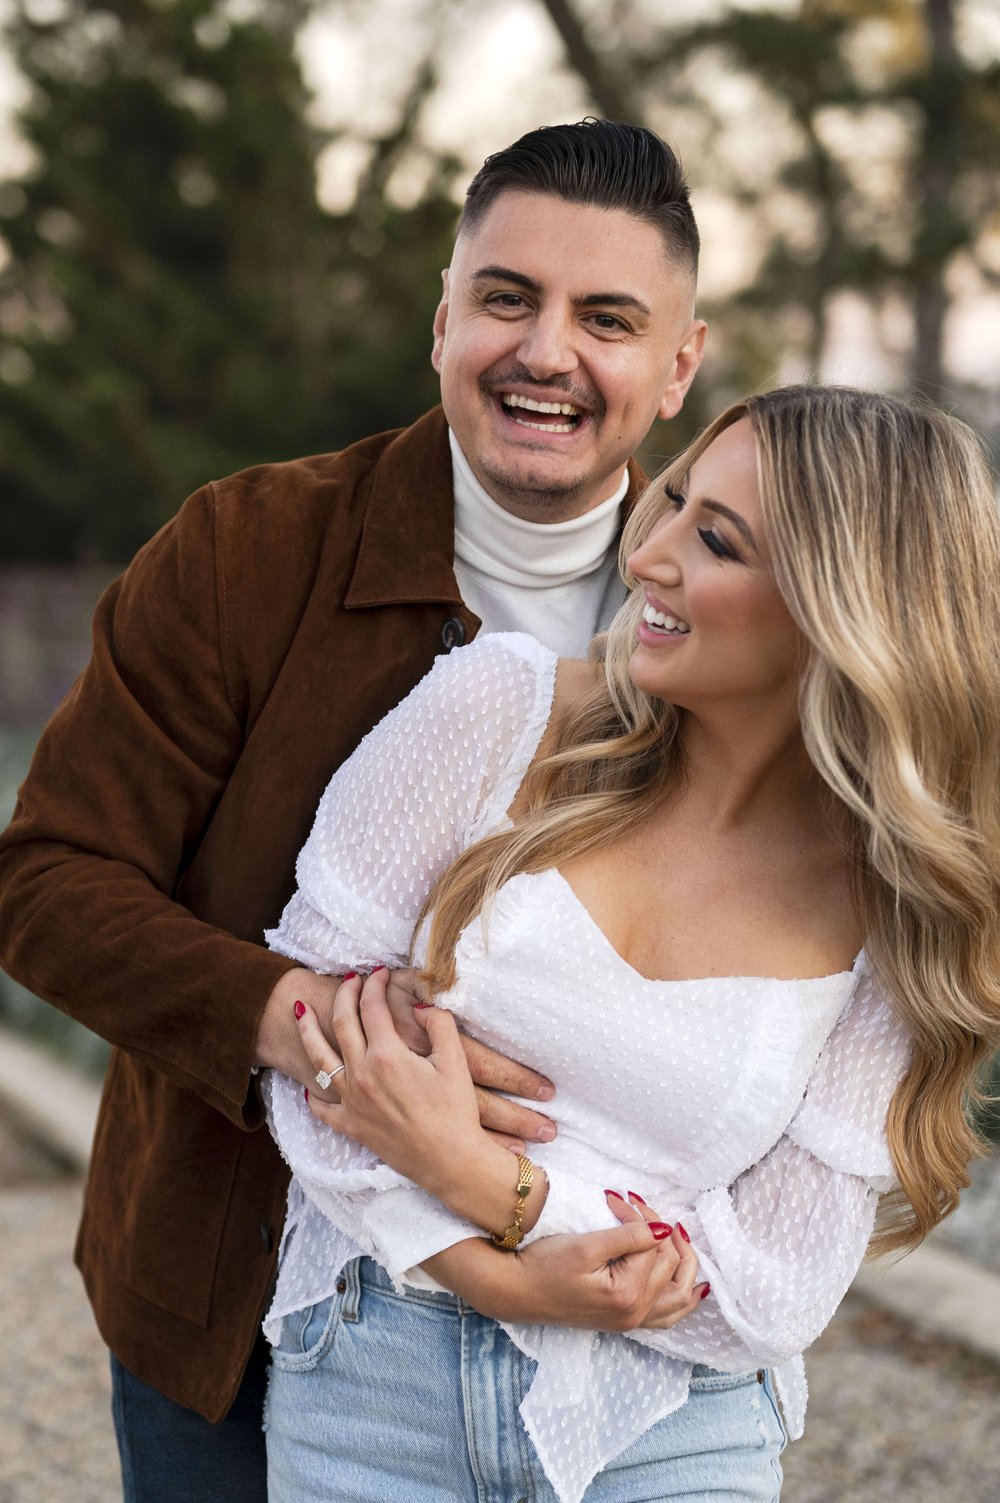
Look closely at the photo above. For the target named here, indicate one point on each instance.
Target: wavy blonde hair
(884, 532)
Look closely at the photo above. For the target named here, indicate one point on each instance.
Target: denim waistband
(365, 1273)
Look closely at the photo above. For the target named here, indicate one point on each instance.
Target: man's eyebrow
(612, 300)
(592, 299)
(505, 274)
(734, 517)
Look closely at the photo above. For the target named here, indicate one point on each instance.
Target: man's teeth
(554, 409)
(509, 399)
(653, 617)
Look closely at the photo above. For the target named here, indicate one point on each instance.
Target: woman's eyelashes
(715, 544)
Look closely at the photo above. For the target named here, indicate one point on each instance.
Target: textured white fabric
(751, 1109)
(558, 581)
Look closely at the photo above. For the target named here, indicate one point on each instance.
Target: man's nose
(548, 347)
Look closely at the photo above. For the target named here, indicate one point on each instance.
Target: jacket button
(265, 1236)
(452, 633)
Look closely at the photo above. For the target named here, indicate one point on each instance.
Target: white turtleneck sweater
(557, 581)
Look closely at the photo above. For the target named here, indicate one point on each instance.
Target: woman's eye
(674, 497)
(715, 545)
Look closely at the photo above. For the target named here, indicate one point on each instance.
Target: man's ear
(686, 364)
(440, 320)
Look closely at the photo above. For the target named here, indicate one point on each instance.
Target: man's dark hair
(599, 162)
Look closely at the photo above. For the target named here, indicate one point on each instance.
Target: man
(240, 659)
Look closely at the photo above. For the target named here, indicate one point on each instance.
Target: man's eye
(505, 300)
(608, 323)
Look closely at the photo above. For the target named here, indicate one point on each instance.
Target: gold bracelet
(510, 1238)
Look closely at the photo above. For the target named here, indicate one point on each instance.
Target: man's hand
(280, 1047)
(491, 1072)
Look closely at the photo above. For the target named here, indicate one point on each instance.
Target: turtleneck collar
(529, 555)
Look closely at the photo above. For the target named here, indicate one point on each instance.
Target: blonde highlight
(900, 714)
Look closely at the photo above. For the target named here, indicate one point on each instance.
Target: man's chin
(533, 491)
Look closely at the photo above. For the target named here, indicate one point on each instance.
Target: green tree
(875, 164)
(175, 304)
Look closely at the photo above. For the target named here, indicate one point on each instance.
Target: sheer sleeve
(435, 774)
(439, 770)
(782, 1243)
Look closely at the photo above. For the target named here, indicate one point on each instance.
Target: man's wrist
(278, 1045)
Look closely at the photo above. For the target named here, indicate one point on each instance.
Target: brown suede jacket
(240, 659)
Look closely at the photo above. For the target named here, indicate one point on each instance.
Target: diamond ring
(324, 1077)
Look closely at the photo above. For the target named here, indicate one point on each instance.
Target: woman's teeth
(663, 622)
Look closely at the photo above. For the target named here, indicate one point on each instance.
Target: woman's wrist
(480, 1183)
(489, 1280)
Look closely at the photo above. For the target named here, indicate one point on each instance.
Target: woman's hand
(416, 1112)
(419, 1114)
(639, 1274)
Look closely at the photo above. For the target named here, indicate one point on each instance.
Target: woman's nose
(656, 556)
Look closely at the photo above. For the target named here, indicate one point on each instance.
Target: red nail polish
(659, 1229)
(422, 1005)
(348, 975)
(706, 1291)
(307, 1093)
(382, 967)
(300, 1011)
(680, 1228)
(615, 1194)
(634, 1195)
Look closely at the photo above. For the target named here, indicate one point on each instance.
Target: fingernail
(634, 1195)
(545, 1134)
(382, 967)
(545, 1092)
(348, 975)
(300, 1011)
(422, 1005)
(659, 1229)
(680, 1228)
(615, 1194)
(706, 1291)
(307, 1093)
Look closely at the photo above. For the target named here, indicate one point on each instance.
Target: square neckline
(584, 913)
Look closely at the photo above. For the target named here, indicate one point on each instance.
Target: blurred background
(222, 224)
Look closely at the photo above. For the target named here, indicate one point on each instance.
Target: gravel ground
(891, 1418)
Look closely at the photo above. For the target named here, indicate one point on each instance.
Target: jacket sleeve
(120, 791)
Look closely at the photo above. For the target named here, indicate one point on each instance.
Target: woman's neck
(744, 775)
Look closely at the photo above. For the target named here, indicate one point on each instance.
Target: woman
(743, 913)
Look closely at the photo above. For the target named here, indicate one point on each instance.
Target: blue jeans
(170, 1454)
(381, 1398)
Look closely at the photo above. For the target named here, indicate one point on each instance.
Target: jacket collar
(407, 549)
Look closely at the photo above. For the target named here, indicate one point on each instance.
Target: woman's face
(715, 629)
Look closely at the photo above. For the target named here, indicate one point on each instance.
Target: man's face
(553, 305)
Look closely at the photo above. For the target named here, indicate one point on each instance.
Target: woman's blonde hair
(884, 532)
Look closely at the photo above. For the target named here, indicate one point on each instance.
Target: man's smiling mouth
(546, 417)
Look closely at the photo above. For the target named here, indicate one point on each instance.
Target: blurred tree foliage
(175, 303)
(859, 142)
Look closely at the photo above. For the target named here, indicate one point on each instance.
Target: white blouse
(749, 1108)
